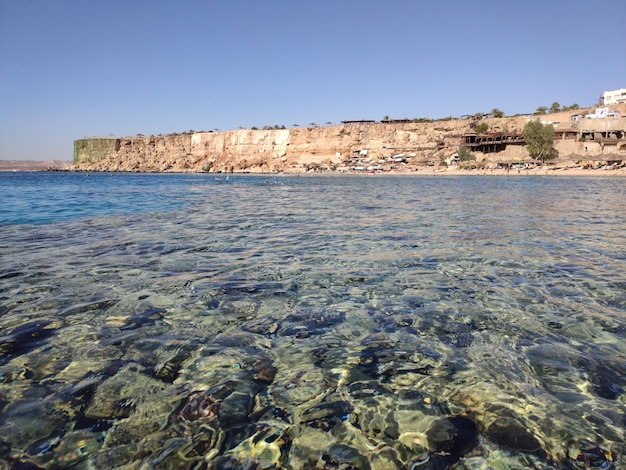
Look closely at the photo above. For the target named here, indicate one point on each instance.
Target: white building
(601, 113)
(614, 97)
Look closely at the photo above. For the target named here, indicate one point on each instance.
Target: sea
(312, 322)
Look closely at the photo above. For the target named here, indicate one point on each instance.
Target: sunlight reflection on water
(303, 321)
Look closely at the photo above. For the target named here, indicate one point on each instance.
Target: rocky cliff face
(289, 150)
(357, 146)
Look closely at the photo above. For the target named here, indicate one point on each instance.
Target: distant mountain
(33, 165)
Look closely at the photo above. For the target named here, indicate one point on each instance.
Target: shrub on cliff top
(482, 127)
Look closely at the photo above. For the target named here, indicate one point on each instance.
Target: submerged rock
(510, 433)
(310, 323)
(25, 338)
(268, 447)
(327, 414)
(197, 406)
(595, 457)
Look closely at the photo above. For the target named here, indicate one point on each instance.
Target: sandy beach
(544, 172)
(524, 172)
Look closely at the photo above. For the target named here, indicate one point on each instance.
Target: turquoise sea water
(189, 321)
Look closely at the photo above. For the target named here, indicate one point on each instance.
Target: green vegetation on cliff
(539, 140)
(92, 150)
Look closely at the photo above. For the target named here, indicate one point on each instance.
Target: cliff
(288, 150)
(384, 146)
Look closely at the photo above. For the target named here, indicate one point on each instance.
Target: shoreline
(543, 172)
(536, 172)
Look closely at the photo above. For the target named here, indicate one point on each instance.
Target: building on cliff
(614, 97)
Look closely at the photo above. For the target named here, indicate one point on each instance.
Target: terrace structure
(491, 142)
(608, 135)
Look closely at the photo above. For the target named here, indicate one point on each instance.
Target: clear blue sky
(76, 68)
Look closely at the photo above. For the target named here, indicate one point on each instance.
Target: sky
(71, 69)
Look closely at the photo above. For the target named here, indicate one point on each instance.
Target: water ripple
(398, 322)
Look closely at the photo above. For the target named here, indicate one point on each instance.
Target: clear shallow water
(179, 321)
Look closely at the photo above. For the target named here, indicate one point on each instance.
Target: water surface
(190, 321)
